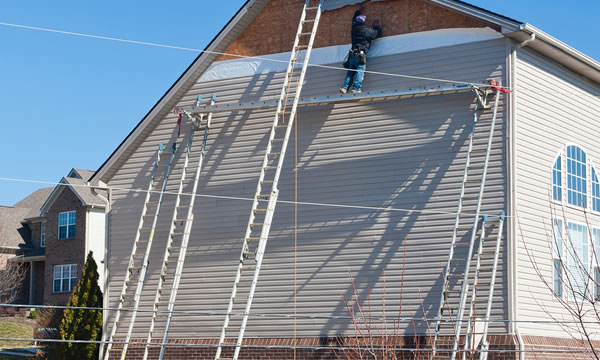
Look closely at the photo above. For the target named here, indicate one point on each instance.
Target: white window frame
(558, 244)
(68, 224)
(42, 234)
(560, 158)
(591, 192)
(566, 178)
(67, 275)
(595, 262)
(584, 257)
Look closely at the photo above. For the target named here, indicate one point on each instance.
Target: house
(17, 240)
(61, 225)
(377, 183)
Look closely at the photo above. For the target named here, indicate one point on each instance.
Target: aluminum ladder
(259, 223)
(179, 231)
(483, 253)
(140, 252)
(458, 265)
(485, 345)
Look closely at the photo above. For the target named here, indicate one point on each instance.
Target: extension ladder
(458, 266)
(485, 345)
(179, 233)
(259, 223)
(140, 252)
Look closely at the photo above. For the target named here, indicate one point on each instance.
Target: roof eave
(558, 51)
(167, 99)
(506, 24)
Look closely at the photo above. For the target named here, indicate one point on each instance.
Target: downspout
(107, 210)
(514, 253)
(527, 42)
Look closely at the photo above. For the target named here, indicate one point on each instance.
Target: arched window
(557, 180)
(576, 176)
(595, 191)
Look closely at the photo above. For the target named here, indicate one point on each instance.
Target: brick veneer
(197, 351)
(65, 251)
(274, 28)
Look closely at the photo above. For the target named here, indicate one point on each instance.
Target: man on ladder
(357, 58)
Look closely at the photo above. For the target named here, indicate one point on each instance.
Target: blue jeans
(357, 75)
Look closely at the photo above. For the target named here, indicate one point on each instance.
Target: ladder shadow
(388, 245)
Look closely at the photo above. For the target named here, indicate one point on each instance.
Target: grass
(15, 330)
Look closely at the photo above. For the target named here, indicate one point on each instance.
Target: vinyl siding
(554, 108)
(407, 155)
(96, 231)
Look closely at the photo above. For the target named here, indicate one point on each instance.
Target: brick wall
(274, 29)
(65, 251)
(198, 351)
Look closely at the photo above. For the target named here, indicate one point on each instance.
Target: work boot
(343, 90)
(356, 91)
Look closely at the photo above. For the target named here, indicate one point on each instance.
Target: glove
(376, 23)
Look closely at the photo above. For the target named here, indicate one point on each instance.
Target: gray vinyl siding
(554, 108)
(407, 155)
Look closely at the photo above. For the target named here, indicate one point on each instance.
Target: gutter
(550, 40)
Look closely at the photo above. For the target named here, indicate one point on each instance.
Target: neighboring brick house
(20, 241)
(62, 228)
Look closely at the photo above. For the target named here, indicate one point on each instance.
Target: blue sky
(69, 101)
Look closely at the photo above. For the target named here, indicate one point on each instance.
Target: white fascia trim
(550, 40)
(185, 78)
(506, 25)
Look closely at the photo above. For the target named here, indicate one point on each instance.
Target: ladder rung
(138, 255)
(178, 234)
(256, 224)
(490, 238)
(263, 196)
(260, 211)
(178, 220)
(277, 140)
(252, 238)
(309, 21)
(312, 8)
(479, 151)
(455, 276)
(475, 166)
(464, 227)
(461, 244)
(266, 182)
(470, 197)
(473, 181)
(305, 33)
(458, 260)
(244, 283)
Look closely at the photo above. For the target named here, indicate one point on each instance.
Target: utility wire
(290, 316)
(362, 207)
(230, 54)
(301, 347)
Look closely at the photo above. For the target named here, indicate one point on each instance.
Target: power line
(225, 197)
(291, 316)
(230, 54)
(302, 347)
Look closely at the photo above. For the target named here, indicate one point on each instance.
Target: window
(576, 176)
(557, 179)
(595, 191)
(42, 234)
(596, 262)
(65, 278)
(577, 258)
(66, 225)
(557, 253)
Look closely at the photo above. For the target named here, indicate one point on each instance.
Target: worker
(357, 57)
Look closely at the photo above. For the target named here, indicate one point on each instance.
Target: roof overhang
(511, 28)
(54, 195)
(27, 258)
(224, 38)
(557, 51)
